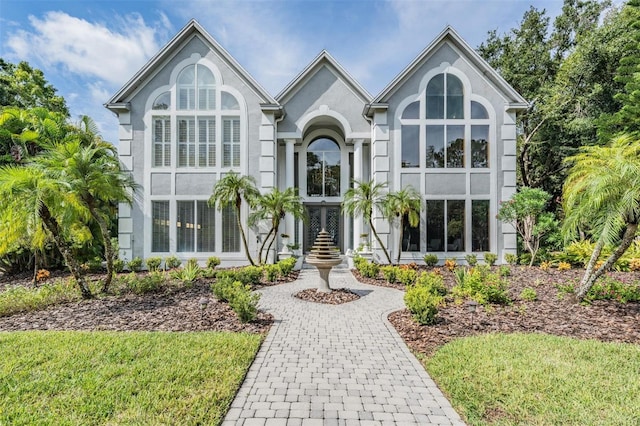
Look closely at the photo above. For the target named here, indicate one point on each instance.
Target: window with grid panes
(230, 232)
(231, 142)
(160, 226)
(161, 141)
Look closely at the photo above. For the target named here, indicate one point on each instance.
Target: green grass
(18, 298)
(71, 378)
(537, 379)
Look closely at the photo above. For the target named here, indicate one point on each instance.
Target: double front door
(327, 217)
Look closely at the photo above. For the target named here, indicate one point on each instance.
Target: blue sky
(89, 49)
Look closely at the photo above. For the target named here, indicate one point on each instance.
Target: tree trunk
(53, 227)
(400, 242)
(271, 231)
(108, 247)
(590, 277)
(386, 253)
(244, 237)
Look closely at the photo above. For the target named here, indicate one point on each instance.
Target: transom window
(435, 130)
(203, 115)
(323, 168)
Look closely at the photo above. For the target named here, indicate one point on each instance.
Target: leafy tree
(25, 87)
(404, 204)
(229, 191)
(362, 199)
(602, 194)
(526, 212)
(274, 206)
(93, 174)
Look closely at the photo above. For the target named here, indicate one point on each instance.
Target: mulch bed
(551, 313)
(169, 309)
(335, 297)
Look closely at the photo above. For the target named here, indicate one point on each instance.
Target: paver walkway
(336, 364)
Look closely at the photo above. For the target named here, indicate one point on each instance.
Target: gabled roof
(451, 36)
(192, 29)
(323, 59)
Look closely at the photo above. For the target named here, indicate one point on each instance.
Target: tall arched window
(323, 168)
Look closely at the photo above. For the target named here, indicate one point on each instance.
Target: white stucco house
(446, 125)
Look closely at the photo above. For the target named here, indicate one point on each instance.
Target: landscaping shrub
(481, 285)
(433, 281)
(423, 303)
(135, 264)
(42, 275)
(611, 289)
(528, 294)
(450, 264)
(153, 263)
(490, 258)
(250, 274)
(564, 266)
(430, 259)
(140, 284)
(504, 271)
(172, 262)
(634, 265)
(223, 288)
(389, 273)
(358, 261)
(118, 265)
(19, 298)
(512, 259)
(407, 277)
(472, 259)
(188, 274)
(212, 262)
(245, 303)
(287, 265)
(369, 269)
(545, 266)
(272, 272)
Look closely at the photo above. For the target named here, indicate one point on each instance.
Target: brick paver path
(336, 364)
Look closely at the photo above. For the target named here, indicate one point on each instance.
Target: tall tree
(274, 206)
(362, 199)
(91, 172)
(25, 87)
(602, 195)
(229, 191)
(404, 206)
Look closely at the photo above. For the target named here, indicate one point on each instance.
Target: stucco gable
(449, 39)
(192, 30)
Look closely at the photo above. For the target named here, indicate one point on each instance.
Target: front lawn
(508, 379)
(69, 378)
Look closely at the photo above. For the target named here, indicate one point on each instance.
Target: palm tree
(33, 204)
(361, 199)
(229, 191)
(405, 203)
(274, 206)
(92, 172)
(602, 192)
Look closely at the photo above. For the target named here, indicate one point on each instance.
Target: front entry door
(327, 217)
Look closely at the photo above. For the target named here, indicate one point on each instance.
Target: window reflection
(323, 168)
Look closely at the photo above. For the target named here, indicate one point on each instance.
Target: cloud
(89, 48)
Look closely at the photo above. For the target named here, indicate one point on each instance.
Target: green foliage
(526, 212)
(19, 299)
(188, 274)
(153, 263)
(406, 276)
(390, 272)
(504, 271)
(490, 258)
(538, 379)
(250, 274)
(512, 259)
(124, 378)
(141, 284)
(287, 265)
(404, 206)
(118, 265)
(172, 262)
(212, 262)
(472, 259)
(135, 264)
(481, 285)
(528, 294)
(272, 272)
(430, 259)
(369, 269)
(611, 289)
(434, 281)
(239, 296)
(223, 288)
(424, 298)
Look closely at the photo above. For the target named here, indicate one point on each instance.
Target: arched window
(323, 168)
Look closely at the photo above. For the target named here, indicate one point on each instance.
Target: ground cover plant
(68, 378)
(539, 379)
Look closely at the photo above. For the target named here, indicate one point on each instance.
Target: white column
(289, 183)
(357, 176)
